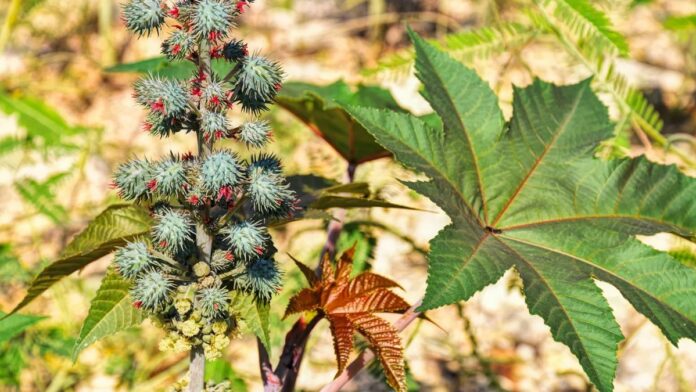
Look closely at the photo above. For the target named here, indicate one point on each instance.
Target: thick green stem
(203, 239)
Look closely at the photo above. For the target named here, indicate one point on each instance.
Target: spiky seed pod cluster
(131, 179)
(255, 134)
(262, 277)
(134, 259)
(143, 16)
(248, 239)
(173, 230)
(221, 195)
(179, 45)
(235, 50)
(258, 83)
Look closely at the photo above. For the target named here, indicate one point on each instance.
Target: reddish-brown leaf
(379, 301)
(304, 301)
(386, 343)
(342, 331)
(366, 282)
(345, 265)
(311, 277)
(327, 272)
(348, 305)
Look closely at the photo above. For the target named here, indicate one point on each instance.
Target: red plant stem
(367, 355)
(285, 375)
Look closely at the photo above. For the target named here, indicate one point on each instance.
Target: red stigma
(196, 91)
(219, 135)
(216, 52)
(278, 86)
(158, 106)
(152, 185)
(216, 306)
(163, 244)
(225, 193)
(174, 12)
(229, 256)
(147, 127)
(215, 101)
(214, 36)
(194, 200)
(176, 49)
(259, 250)
(138, 304)
(113, 185)
(241, 5)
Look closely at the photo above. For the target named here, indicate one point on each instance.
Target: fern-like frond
(466, 46)
(585, 22)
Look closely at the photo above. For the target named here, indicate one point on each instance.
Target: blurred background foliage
(67, 119)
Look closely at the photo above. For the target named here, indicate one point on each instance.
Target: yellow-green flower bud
(220, 342)
(220, 327)
(201, 269)
(183, 306)
(182, 345)
(189, 328)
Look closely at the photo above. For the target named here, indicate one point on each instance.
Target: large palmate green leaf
(111, 229)
(111, 311)
(529, 195)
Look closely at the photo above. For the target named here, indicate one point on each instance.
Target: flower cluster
(218, 197)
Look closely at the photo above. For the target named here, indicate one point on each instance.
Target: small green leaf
(40, 120)
(321, 108)
(114, 227)
(169, 69)
(111, 311)
(220, 370)
(42, 197)
(255, 316)
(681, 23)
(13, 325)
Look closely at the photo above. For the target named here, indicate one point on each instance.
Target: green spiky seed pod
(215, 95)
(163, 126)
(179, 45)
(162, 96)
(214, 125)
(264, 163)
(169, 177)
(255, 134)
(131, 179)
(247, 239)
(213, 301)
(269, 191)
(262, 278)
(211, 19)
(235, 51)
(151, 291)
(143, 16)
(172, 230)
(222, 260)
(258, 83)
(220, 169)
(134, 259)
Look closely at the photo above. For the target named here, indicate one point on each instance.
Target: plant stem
(204, 240)
(197, 369)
